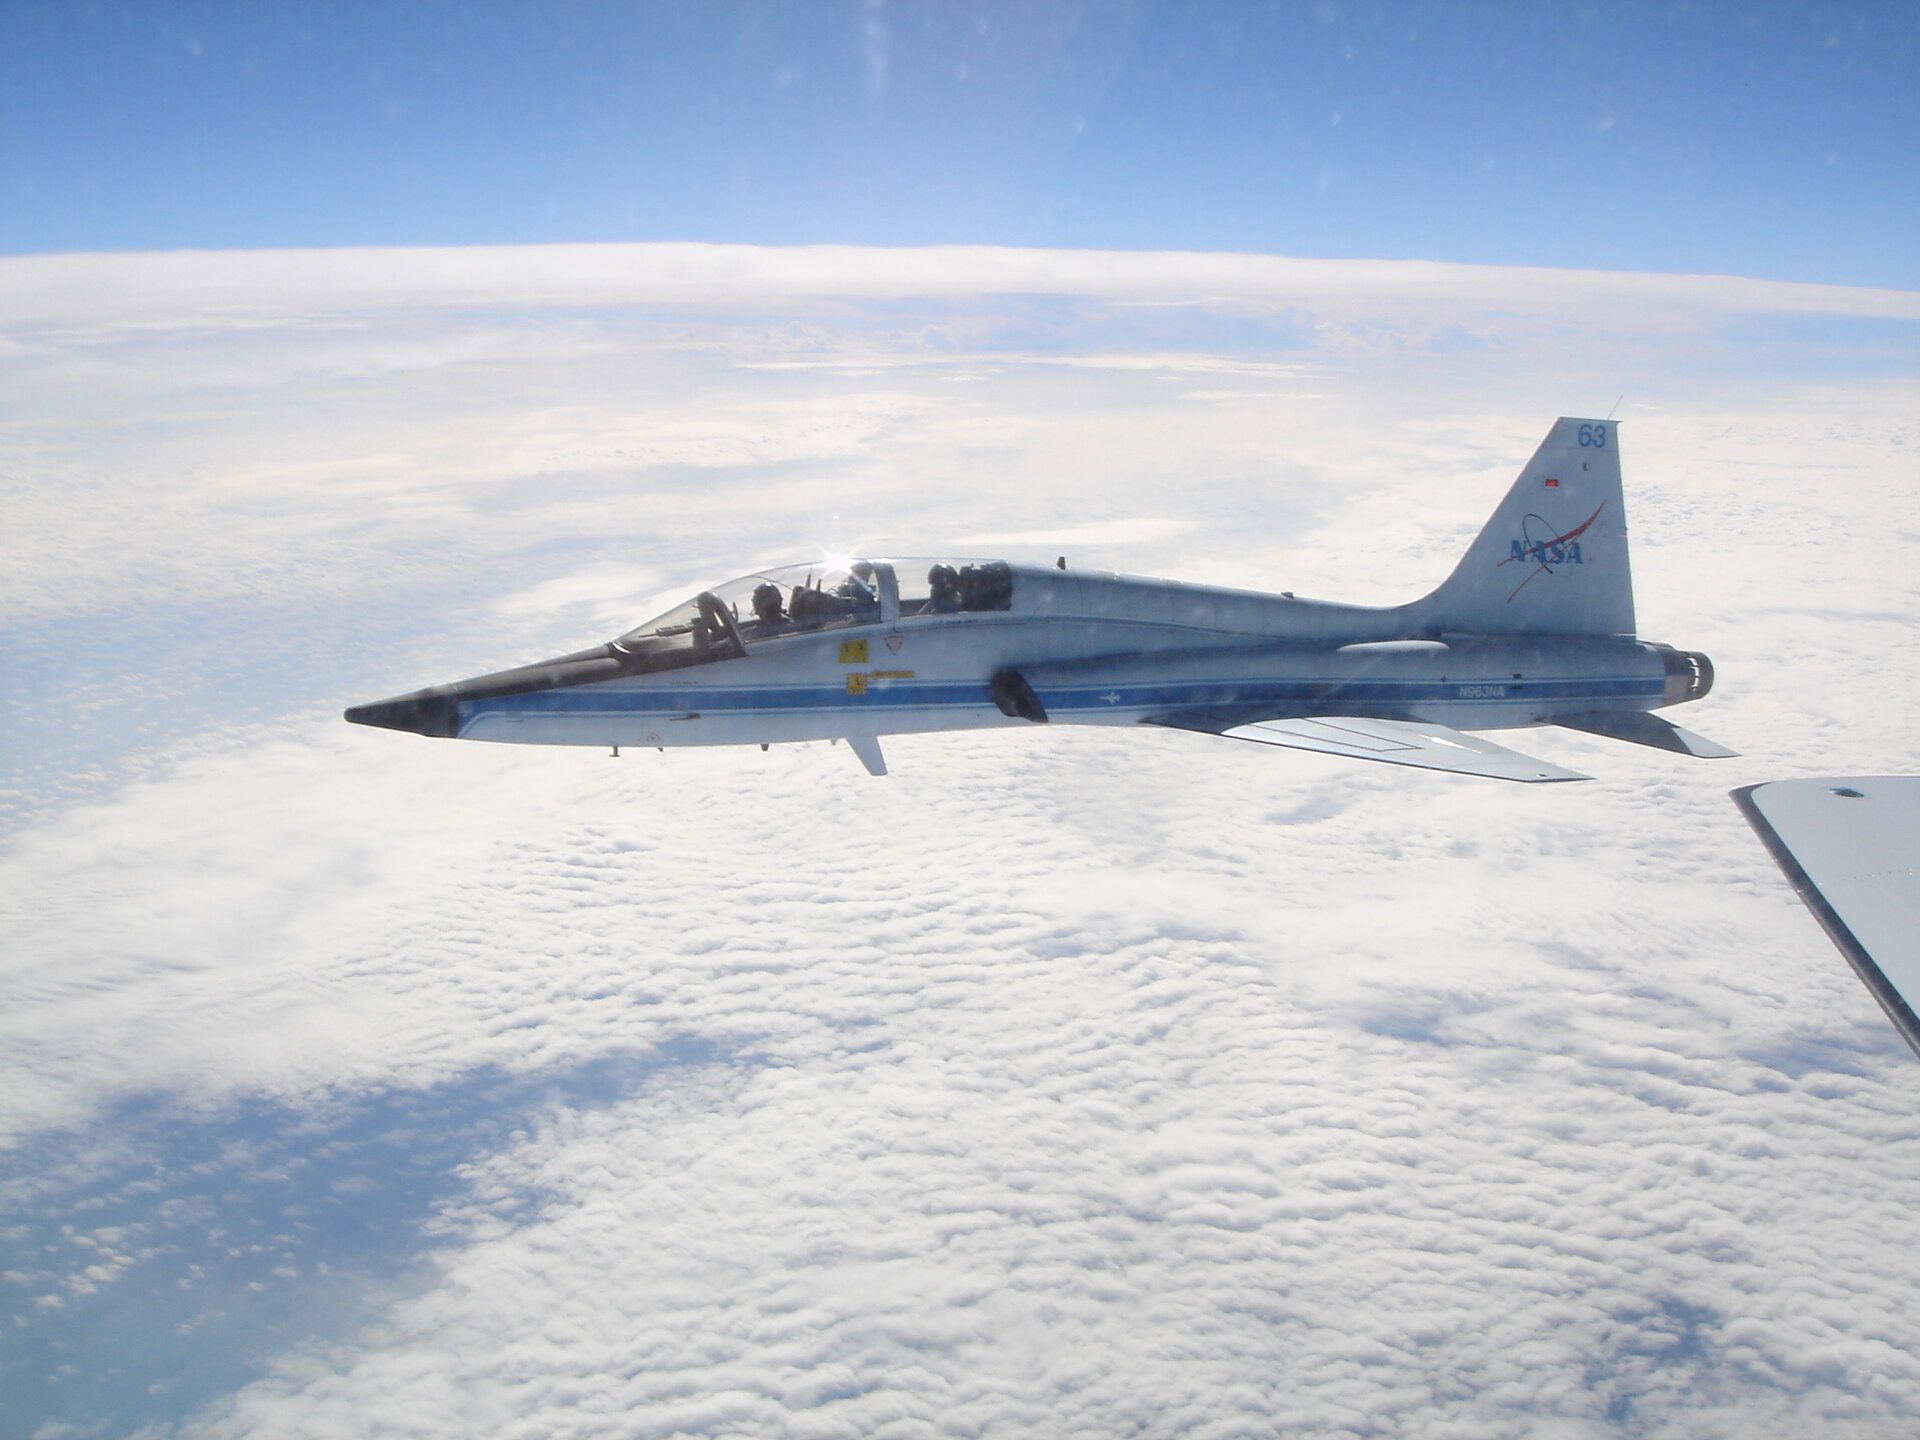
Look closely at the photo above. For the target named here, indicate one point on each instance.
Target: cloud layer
(194, 285)
(1059, 1083)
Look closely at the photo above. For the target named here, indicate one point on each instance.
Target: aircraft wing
(1397, 742)
(1851, 847)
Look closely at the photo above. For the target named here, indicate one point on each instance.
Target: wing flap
(1394, 742)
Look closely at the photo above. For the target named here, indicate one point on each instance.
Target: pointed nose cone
(424, 713)
(436, 710)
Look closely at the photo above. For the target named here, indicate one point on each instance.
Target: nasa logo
(1546, 548)
(1549, 553)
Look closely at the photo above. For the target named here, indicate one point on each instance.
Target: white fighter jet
(1534, 627)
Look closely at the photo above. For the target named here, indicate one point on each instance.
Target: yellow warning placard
(853, 652)
(857, 684)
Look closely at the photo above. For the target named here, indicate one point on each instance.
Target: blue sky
(1775, 141)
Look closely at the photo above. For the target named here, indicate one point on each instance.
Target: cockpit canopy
(721, 623)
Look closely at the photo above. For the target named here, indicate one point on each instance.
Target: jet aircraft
(1535, 626)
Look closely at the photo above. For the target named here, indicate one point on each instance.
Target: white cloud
(74, 292)
(1061, 1081)
(1140, 530)
(1048, 1089)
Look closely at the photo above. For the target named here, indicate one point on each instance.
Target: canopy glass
(722, 623)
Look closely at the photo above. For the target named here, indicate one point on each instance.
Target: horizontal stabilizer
(1640, 728)
(1397, 742)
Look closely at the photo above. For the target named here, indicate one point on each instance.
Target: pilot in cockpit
(767, 608)
(943, 583)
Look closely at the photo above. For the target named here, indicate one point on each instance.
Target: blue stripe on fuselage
(1066, 700)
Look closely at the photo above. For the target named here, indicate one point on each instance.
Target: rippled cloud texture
(1063, 1082)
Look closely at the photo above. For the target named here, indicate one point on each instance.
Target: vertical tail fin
(1553, 559)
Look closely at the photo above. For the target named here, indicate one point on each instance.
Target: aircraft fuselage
(1094, 648)
(1535, 626)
